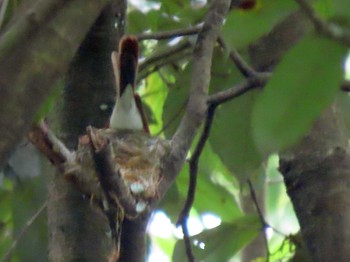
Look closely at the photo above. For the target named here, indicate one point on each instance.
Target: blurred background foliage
(245, 135)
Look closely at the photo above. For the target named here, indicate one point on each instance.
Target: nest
(122, 164)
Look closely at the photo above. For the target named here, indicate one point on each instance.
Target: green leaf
(176, 101)
(336, 10)
(211, 197)
(243, 27)
(222, 242)
(154, 96)
(343, 105)
(136, 22)
(303, 84)
(231, 136)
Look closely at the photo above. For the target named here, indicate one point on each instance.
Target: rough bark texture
(317, 176)
(133, 240)
(35, 51)
(316, 171)
(77, 231)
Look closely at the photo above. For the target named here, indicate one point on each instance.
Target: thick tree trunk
(316, 171)
(78, 232)
(317, 176)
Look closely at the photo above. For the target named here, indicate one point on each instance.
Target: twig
(261, 216)
(29, 223)
(242, 66)
(170, 51)
(251, 83)
(161, 63)
(197, 105)
(170, 34)
(330, 30)
(182, 220)
(187, 241)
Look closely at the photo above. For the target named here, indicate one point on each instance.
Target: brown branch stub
(48, 144)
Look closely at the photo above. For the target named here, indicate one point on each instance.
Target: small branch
(261, 216)
(182, 220)
(170, 34)
(187, 241)
(197, 105)
(156, 58)
(45, 140)
(330, 30)
(8, 254)
(251, 83)
(161, 63)
(242, 66)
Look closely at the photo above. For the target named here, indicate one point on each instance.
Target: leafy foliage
(244, 133)
(296, 94)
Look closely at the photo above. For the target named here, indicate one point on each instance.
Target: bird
(128, 112)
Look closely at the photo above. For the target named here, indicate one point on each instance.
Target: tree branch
(182, 220)
(253, 82)
(28, 73)
(197, 106)
(170, 51)
(170, 34)
(330, 30)
(264, 224)
(242, 66)
(8, 254)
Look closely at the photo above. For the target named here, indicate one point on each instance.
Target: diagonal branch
(251, 83)
(170, 34)
(197, 105)
(242, 66)
(158, 57)
(330, 30)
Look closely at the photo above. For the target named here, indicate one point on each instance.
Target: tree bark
(316, 171)
(317, 177)
(35, 51)
(77, 231)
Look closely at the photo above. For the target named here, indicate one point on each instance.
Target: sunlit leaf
(222, 242)
(303, 84)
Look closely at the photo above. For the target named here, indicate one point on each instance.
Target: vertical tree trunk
(77, 232)
(317, 176)
(317, 170)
